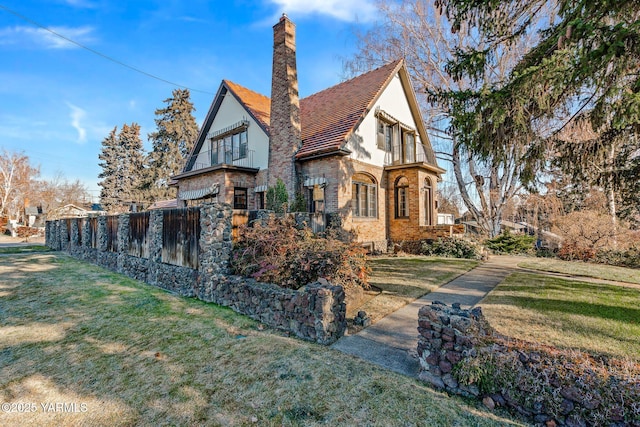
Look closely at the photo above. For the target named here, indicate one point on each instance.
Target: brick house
(358, 149)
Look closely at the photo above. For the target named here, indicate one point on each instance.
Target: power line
(107, 57)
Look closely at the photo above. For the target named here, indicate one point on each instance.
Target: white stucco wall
(393, 101)
(231, 112)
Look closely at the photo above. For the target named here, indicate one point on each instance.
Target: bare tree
(16, 179)
(419, 32)
(59, 191)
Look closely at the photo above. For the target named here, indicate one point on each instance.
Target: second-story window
(226, 149)
(385, 135)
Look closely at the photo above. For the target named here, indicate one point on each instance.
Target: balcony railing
(223, 158)
(403, 155)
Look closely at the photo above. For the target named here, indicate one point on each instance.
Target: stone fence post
(215, 240)
(155, 236)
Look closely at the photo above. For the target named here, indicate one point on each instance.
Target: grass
(593, 317)
(24, 249)
(400, 280)
(132, 354)
(598, 271)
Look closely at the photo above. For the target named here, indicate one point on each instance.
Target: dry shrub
(587, 232)
(536, 379)
(26, 232)
(276, 251)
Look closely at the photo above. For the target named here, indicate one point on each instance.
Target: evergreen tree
(418, 32)
(132, 163)
(171, 143)
(582, 73)
(110, 157)
(122, 159)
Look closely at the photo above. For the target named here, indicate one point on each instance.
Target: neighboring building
(34, 216)
(71, 211)
(359, 149)
(164, 204)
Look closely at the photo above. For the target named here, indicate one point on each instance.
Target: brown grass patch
(397, 281)
(135, 355)
(592, 317)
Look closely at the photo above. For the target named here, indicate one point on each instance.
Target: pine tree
(133, 162)
(110, 163)
(582, 73)
(122, 167)
(171, 143)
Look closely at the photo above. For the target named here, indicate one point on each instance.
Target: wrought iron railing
(207, 159)
(401, 155)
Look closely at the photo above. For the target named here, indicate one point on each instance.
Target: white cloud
(39, 37)
(77, 115)
(344, 10)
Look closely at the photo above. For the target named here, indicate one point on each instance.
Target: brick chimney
(285, 108)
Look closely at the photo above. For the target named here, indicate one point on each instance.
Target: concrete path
(392, 341)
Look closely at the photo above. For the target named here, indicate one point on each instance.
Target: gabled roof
(257, 104)
(328, 117)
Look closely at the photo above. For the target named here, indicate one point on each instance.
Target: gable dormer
(235, 131)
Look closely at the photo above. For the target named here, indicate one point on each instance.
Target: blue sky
(60, 100)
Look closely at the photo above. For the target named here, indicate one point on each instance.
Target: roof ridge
(391, 65)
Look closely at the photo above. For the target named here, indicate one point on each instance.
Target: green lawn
(23, 249)
(401, 280)
(592, 317)
(585, 269)
(129, 354)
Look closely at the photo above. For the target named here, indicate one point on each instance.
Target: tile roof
(257, 104)
(329, 116)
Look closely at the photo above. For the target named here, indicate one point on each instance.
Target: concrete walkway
(392, 341)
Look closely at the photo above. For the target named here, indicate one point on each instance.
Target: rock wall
(460, 353)
(315, 312)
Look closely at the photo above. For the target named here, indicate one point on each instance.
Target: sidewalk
(392, 341)
(7, 241)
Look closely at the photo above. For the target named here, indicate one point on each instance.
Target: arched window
(402, 197)
(364, 196)
(428, 202)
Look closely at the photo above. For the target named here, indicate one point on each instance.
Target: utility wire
(107, 57)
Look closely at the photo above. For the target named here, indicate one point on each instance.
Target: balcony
(402, 154)
(237, 158)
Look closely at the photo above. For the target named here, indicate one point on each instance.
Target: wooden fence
(181, 236)
(239, 219)
(93, 232)
(112, 233)
(139, 234)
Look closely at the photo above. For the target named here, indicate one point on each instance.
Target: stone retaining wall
(315, 312)
(460, 353)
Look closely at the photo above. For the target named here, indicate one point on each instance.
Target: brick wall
(284, 126)
(227, 180)
(338, 171)
(415, 227)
